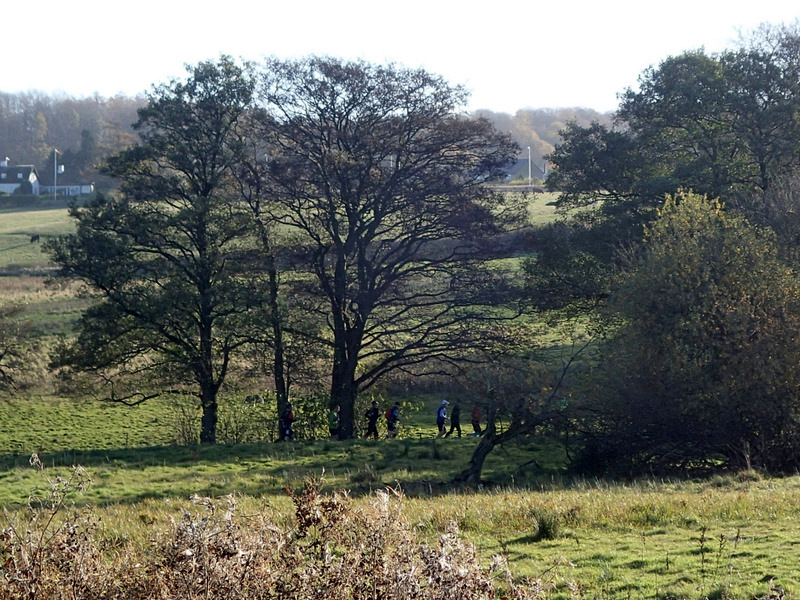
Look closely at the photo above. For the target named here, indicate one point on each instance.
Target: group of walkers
(392, 416)
(455, 420)
(373, 414)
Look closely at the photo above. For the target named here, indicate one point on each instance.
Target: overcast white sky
(511, 54)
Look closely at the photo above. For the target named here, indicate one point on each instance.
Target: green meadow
(735, 536)
(732, 536)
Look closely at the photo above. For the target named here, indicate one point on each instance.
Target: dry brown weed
(333, 549)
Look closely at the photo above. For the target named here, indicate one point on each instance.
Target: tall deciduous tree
(763, 102)
(716, 124)
(382, 177)
(288, 342)
(166, 260)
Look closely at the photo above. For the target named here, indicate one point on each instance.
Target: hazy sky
(511, 54)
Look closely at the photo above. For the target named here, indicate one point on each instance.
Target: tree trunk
(208, 428)
(343, 393)
(278, 363)
(278, 360)
(275, 321)
(471, 476)
(346, 346)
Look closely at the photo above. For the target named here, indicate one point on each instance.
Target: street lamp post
(530, 178)
(56, 171)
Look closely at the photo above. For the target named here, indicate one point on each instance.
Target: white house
(14, 177)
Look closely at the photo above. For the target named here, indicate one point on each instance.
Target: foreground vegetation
(730, 536)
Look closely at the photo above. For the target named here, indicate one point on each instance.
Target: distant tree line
(85, 131)
(541, 128)
(88, 130)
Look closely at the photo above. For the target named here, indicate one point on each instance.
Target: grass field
(25, 270)
(734, 536)
(17, 226)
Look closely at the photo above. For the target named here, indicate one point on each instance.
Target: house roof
(520, 170)
(17, 173)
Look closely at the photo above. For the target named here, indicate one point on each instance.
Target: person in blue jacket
(441, 417)
(392, 419)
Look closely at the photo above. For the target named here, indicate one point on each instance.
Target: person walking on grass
(286, 421)
(455, 420)
(392, 419)
(441, 417)
(476, 420)
(372, 420)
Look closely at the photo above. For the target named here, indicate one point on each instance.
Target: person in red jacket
(286, 420)
(476, 420)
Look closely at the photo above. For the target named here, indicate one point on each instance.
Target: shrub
(547, 525)
(247, 419)
(330, 550)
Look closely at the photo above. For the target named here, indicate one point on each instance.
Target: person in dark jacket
(372, 420)
(455, 420)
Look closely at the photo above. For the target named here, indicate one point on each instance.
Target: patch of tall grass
(330, 548)
(683, 539)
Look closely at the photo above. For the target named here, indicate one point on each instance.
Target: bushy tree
(166, 262)
(716, 124)
(703, 369)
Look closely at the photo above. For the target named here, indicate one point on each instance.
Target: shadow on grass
(12, 204)
(174, 455)
(257, 469)
(421, 467)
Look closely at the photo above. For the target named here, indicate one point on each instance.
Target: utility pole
(530, 178)
(56, 171)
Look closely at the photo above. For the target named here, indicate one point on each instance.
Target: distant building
(519, 170)
(24, 179)
(81, 189)
(12, 178)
